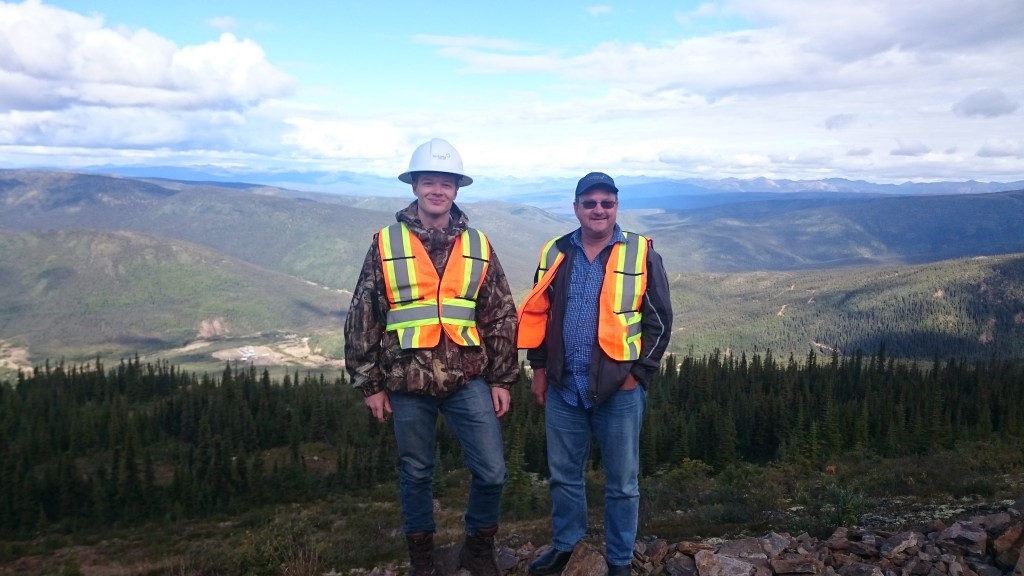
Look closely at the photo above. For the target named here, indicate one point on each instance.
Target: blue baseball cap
(594, 180)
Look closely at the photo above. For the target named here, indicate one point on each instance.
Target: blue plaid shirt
(579, 328)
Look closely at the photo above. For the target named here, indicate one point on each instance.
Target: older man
(596, 325)
(430, 331)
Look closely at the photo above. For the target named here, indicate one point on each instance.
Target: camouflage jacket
(373, 357)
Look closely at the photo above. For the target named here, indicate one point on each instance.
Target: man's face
(596, 210)
(436, 192)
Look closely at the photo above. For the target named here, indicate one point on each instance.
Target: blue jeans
(469, 413)
(615, 423)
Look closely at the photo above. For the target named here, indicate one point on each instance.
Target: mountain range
(96, 263)
(543, 190)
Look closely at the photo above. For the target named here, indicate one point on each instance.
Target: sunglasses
(591, 204)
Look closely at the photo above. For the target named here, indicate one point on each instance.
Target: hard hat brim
(463, 179)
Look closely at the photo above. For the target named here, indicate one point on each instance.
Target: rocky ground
(987, 541)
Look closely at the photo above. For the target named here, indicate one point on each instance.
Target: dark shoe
(550, 562)
(614, 570)
(421, 554)
(478, 553)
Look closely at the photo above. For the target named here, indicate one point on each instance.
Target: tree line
(88, 446)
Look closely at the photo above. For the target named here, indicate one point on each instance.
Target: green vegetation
(81, 294)
(972, 308)
(288, 468)
(76, 294)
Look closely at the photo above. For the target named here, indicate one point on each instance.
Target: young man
(596, 325)
(431, 330)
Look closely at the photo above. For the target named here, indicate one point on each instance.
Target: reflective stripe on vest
(421, 304)
(619, 318)
(549, 258)
(625, 281)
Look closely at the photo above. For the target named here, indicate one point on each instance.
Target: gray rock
(859, 569)
(711, 564)
(681, 565)
(965, 538)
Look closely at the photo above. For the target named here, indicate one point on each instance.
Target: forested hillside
(829, 232)
(83, 447)
(81, 294)
(971, 308)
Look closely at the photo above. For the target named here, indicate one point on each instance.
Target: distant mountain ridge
(281, 242)
(803, 233)
(736, 226)
(538, 190)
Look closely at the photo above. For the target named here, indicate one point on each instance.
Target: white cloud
(745, 88)
(705, 10)
(1002, 148)
(853, 30)
(123, 128)
(599, 9)
(756, 59)
(889, 67)
(910, 149)
(807, 158)
(478, 42)
(223, 22)
(839, 121)
(70, 82)
(345, 139)
(804, 45)
(988, 102)
(66, 59)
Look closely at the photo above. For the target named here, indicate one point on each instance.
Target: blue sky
(802, 89)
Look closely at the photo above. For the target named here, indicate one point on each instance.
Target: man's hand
(379, 405)
(501, 399)
(539, 386)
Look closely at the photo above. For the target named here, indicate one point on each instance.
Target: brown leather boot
(421, 554)
(478, 553)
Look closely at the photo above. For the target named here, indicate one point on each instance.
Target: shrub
(827, 506)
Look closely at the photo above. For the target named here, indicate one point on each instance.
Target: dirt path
(286, 352)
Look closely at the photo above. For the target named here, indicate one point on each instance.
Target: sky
(877, 90)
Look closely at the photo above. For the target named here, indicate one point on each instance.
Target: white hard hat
(436, 156)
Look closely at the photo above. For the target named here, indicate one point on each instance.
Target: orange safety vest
(619, 316)
(421, 304)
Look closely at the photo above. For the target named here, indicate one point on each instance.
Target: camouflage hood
(410, 216)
